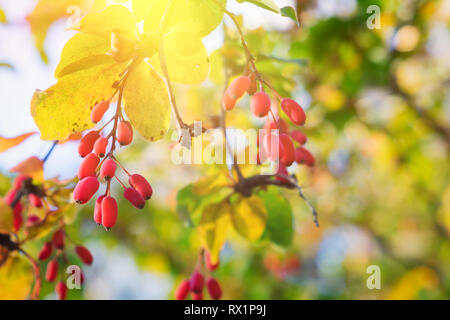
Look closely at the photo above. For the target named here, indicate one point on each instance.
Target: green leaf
(265, 4)
(65, 108)
(214, 226)
(81, 52)
(147, 102)
(279, 227)
(249, 217)
(289, 12)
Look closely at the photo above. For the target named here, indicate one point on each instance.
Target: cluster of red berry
(196, 283)
(23, 186)
(57, 242)
(92, 147)
(275, 147)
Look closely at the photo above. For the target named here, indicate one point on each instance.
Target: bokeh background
(378, 106)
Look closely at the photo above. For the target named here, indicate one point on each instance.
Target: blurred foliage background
(378, 106)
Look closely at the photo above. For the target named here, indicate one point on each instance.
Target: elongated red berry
(109, 212)
(52, 270)
(282, 171)
(182, 290)
(87, 143)
(108, 169)
(208, 263)
(85, 189)
(98, 111)
(196, 282)
(214, 289)
(35, 201)
(197, 296)
(88, 166)
(302, 155)
(227, 102)
(271, 145)
(287, 150)
(260, 104)
(100, 146)
(98, 210)
(298, 136)
(61, 290)
(11, 196)
(238, 87)
(124, 133)
(46, 251)
(18, 182)
(84, 254)
(293, 110)
(17, 217)
(134, 197)
(141, 185)
(32, 220)
(58, 239)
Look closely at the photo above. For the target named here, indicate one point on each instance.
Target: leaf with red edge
(33, 167)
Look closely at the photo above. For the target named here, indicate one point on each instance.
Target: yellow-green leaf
(6, 217)
(196, 16)
(83, 51)
(213, 227)
(8, 143)
(16, 278)
(115, 17)
(209, 184)
(65, 108)
(147, 103)
(249, 217)
(186, 58)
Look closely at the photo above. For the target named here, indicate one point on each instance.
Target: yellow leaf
(65, 108)
(83, 51)
(249, 217)
(6, 217)
(16, 278)
(410, 284)
(2, 16)
(209, 184)
(146, 102)
(196, 16)
(115, 17)
(186, 58)
(33, 167)
(8, 143)
(213, 227)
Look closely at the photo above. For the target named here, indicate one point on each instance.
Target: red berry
(134, 197)
(197, 296)
(17, 217)
(85, 189)
(32, 220)
(109, 212)
(196, 282)
(287, 150)
(214, 289)
(124, 133)
(52, 270)
(98, 210)
(209, 265)
(35, 201)
(46, 251)
(141, 185)
(98, 111)
(87, 143)
(108, 169)
(282, 170)
(302, 155)
(61, 290)
(260, 104)
(100, 147)
(18, 182)
(84, 254)
(227, 102)
(238, 87)
(58, 239)
(88, 166)
(298, 136)
(271, 145)
(182, 290)
(293, 110)
(11, 196)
